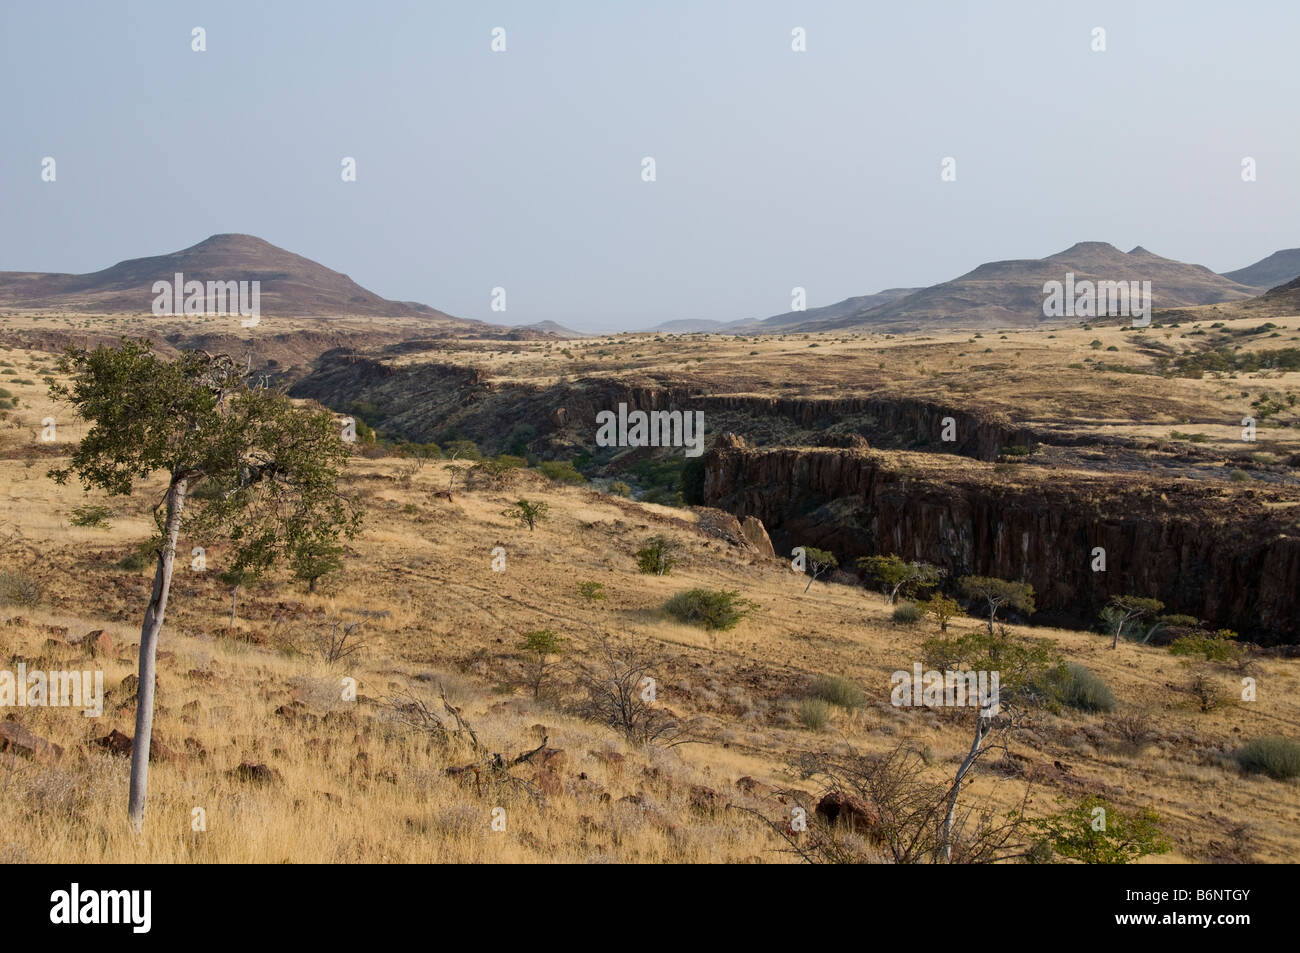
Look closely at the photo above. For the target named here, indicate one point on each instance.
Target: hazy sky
(523, 169)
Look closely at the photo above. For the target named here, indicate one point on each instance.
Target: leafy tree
(1126, 609)
(658, 555)
(897, 575)
(528, 512)
(269, 470)
(1094, 832)
(539, 646)
(1026, 671)
(819, 561)
(942, 609)
(998, 593)
(315, 558)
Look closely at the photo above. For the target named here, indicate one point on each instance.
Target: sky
(523, 169)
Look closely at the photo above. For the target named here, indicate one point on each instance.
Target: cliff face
(1217, 553)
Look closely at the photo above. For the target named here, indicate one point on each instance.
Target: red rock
(14, 737)
(851, 811)
(252, 773)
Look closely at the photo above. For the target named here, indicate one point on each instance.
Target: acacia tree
(819, 561)
(267, 470)
(1026, 670)
(528, 512)
(897, 575)
(998, 593)
(1125, 609)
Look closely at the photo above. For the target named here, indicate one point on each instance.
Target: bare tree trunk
(234, 594)
(311, 586)
(982, 727)
(153, 621)
(810, 582)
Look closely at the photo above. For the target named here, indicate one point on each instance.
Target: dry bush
(618, 692)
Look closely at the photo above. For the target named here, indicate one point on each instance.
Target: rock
(99, 643)
(130, 687)
(14, 737)
(258, 774)
(756, 533)
(705, 800)
(115, 742)
(849, 810)
(729, 441)
(752, 787)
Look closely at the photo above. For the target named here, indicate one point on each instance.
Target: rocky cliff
(1227, 555)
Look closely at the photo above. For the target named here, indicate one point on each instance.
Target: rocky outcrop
(1225, 554)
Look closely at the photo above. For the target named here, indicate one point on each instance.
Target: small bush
(908, 614)
(18, 588)
(1211, 646)
(814, 713)
(91, 516)
(561, 471)
(658, 555)
(143, 556)
(710, 608)
(837, 690)
(592, 591)
(1082, 688)
(619, 488)
(1274, 755)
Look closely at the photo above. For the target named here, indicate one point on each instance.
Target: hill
(1277, 269)
(1010, 293)
(290, 284)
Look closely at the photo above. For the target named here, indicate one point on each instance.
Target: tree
(1094, 832)
(897, 575)
(539, 646)
(1125, 609)
(498, 473)
(315, 558)
(658, 555)
(1026, 671)
(818, 562)
(528, 512)
(268, 471)
(998, 593)
(942, 608)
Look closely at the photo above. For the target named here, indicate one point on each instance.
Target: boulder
(14, 737)
(756, 533)
(851, 811)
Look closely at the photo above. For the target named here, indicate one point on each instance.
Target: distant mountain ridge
(1277, 269)
(291, 285)
(1010, 293)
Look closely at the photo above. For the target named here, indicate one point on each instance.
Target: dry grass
(452, 621)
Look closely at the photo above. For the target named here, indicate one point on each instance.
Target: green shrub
(19, 589)
(814, 713)
(91, 516)
(619, 488)
(592, 591)
(1212, 646)
(1081, 688)
(1273, 755)
(658, 555)
(709, 608)
(145, 554)
(908, 614)
(561, 471)
(837, 690)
